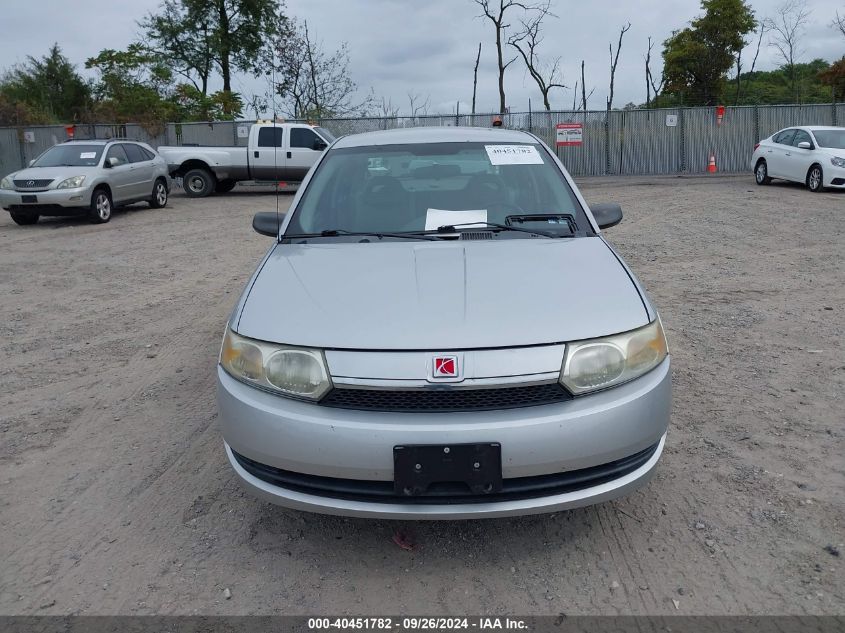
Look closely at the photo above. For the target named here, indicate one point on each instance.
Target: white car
(813, 155)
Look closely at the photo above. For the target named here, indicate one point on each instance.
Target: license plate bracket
(29, 199)
(417, 467)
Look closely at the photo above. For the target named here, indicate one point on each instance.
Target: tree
(181, 33)
(134, 86)
(649, 78)
(497, 11)
(315, 84)
(773, 87)
(697, 59)
(787, 28)
(475, 77)
(47, 89)
(226, 35)
(839, 23)
(835, 78)
(526, 42)
(417, 106)
(762, 26)
(614, 61)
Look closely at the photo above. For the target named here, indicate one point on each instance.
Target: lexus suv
(441, 331)
(86, 178)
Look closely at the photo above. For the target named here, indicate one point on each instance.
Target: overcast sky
(426, 47)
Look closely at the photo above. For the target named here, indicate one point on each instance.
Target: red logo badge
(445, 367)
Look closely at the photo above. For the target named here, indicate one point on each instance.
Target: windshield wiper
(341, 232)
(452, 228)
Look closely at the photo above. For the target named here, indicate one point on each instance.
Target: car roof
(101, 141)
(814, 128)
(416, 135)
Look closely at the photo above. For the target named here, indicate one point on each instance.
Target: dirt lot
(116, 497)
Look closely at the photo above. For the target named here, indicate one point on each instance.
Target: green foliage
(774, 87)
(834, 77)
(46, 90)
(134, 86)
(199, 36)
(137, 85)
(697, 59)
(192, 105)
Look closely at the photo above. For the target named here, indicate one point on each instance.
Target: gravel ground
(116, 497)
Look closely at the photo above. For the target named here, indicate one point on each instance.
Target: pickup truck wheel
(198, 183)
(24, 218)
(225, 186)
(101, 205)
(159, 197)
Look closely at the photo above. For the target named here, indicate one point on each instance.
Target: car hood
(53, 173)
(440, 295)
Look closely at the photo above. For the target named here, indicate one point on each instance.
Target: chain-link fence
(618, 142)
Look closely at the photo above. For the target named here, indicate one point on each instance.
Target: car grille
(512, 489)
(33, 184)
(445, 400)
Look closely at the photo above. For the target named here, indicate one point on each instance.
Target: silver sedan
(440, 331)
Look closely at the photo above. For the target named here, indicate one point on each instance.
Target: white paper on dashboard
(513, 155)
(435, 218)
(88, 155)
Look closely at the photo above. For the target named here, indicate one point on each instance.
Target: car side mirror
(805, 145)
(607, 214)
(320, 145)
(267, 223)
(32, 162)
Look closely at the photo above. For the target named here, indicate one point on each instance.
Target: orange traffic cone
(711, 166)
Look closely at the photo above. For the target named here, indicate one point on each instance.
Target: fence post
(681, 120)
(21, 149)
(607, 142)
(756, 123)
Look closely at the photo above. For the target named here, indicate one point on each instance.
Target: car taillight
(756, 145)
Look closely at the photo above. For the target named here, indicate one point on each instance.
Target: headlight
(291, 371)
(7, 183)
(837, 161)
(606, 362)
(71, 183)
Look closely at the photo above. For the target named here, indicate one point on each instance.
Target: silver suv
(86, 177)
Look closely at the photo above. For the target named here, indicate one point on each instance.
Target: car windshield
(830, 138)
(420, 187)
(71, 156)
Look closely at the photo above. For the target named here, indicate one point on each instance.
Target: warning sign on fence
(569, 134)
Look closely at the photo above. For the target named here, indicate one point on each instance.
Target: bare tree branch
(495, 11)
(839, 23)
(475, 77)
(614, 61)
(417, 107)
(787, 27)
(526, 42)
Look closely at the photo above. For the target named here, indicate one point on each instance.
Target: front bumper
(585, 432)
(49, 202)
(834, 177)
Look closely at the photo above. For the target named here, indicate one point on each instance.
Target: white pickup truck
(276, 152)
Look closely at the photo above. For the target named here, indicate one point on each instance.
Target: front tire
(225, 186)
(24, 219)
(159, 198)
(815, 179)
(761, 173)
(198, 183)
(101, 207)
